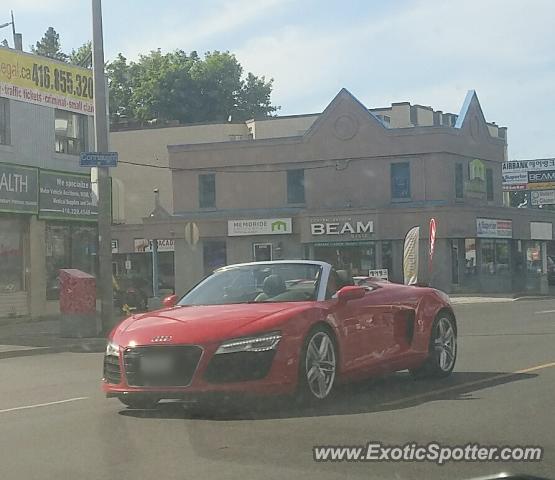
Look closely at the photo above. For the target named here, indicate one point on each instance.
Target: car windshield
(257, 283)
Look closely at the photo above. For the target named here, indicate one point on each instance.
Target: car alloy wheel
(443, 349)
(445, 344)
(320, 364)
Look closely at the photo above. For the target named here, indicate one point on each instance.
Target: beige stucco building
(345, 186)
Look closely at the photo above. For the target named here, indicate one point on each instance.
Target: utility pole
(104, 190)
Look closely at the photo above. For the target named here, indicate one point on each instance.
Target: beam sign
(98, 159)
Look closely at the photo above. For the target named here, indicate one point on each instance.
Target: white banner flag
(410, 256)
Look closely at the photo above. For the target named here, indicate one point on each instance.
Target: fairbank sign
(259, 226)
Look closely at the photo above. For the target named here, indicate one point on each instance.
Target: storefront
(47, 222)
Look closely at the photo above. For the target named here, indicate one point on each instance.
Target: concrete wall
(282, 126)
(149, 147)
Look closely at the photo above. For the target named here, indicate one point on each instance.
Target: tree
(177, 86)
(49, 46)
(82, 57)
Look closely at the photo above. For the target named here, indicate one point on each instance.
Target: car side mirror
(350, 292)
(170, 301)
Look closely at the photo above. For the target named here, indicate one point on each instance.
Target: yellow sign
(43, 81)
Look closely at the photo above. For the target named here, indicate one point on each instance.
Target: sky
(428, 52)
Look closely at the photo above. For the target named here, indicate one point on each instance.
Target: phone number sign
(43, 81)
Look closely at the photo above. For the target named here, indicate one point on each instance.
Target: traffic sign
(98, 159)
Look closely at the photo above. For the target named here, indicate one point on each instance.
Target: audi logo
(161, 339)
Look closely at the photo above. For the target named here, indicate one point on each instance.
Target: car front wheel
(318, 366)
(443, 349)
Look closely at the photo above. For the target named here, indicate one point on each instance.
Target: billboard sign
(142, 245)
(43, 81)
(18, 189)
(529, 174)
(542, 197)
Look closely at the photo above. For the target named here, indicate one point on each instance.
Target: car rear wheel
(443, 349)
(318, 366)
(139, 403)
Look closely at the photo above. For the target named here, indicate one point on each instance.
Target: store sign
(342, 227)
(542, 197)
(492, 228)
(141, 245)
(66, 196)
(18, 189)
(529, 174)
(42, 81)
(115, 245)
(382, 273)
(262, 226)
(541, 230)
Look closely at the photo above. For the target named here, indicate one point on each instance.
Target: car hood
(204, 323)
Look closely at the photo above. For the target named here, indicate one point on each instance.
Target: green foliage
(174, 86)
(49, 46)
(82, 57)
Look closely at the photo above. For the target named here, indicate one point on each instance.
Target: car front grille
(112, 372)
(183, 361)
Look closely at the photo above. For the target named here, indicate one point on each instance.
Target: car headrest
(344, 278)
(273, 285)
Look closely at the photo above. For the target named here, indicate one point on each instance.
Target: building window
(4, 121)
(214, 255)
(455, 262)
(470, 256)
(207, 190)
(71, 132)
(11, 256)
(400, 181)
(533, 257)
(495, 256)
(459, 180)
(489, 184)
(295, 186)
(68, 246)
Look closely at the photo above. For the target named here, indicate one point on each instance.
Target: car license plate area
(157, 364)
(161, 366)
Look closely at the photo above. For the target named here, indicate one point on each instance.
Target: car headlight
(112, 349)
(261, 343)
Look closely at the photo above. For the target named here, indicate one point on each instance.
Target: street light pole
(104, 190)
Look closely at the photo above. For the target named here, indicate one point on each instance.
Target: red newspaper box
(77, 303)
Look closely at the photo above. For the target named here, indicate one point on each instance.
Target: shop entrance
(357, 259)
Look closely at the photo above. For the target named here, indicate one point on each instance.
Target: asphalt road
(56, 424)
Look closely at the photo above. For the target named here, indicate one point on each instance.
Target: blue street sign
(97, 159)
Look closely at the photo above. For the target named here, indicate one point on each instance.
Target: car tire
(139, 403)
(317, 366)
(442, 350)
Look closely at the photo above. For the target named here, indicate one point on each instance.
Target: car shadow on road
(394, 392)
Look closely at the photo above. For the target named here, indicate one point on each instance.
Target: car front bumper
(265, 373)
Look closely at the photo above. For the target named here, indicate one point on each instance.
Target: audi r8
(278, 328)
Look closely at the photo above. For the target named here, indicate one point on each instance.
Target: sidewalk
(39, 337)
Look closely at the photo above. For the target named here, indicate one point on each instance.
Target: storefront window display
(357, 259)
(495, 256)
(534, 258)
(11, 256)
(470, 256)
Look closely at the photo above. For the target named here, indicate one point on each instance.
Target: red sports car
(282, 327)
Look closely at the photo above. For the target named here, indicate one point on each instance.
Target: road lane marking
(467, 384)
(537, 367)
(38, 405)
(544, 311)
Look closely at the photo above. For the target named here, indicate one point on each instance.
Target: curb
(97, 346)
